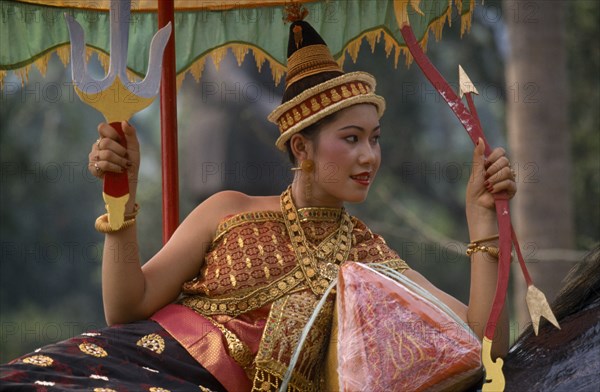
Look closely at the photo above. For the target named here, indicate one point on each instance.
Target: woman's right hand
(108, 155)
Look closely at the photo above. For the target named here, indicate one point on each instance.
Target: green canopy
(30, 31)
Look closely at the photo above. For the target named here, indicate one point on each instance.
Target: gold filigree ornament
(238, 350)
(158, 389)
(104, 390)
(152, 342)
(320, 264)
(38, 360)
(93, 350)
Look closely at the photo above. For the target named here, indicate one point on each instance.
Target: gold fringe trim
(436, 26)
(41, 63)
(63, 53)
(239, 51)
(278, 70)
(466, 18)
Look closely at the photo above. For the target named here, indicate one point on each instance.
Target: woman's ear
(301, 147)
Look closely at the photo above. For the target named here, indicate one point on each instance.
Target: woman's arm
(131, 292)
(488, 176)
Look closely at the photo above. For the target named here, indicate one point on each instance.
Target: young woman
(222, 304)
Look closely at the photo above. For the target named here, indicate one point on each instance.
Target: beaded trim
(322, 100)
(396, 264)
(235, 305)
(319, 214)
(305, 215)
(238, 219)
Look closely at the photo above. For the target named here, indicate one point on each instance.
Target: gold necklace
(321, 264)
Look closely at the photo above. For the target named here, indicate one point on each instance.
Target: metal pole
(168, 125)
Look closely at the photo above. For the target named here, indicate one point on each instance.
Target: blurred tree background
(50, 252)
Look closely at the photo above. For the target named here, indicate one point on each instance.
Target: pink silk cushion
(394, 336)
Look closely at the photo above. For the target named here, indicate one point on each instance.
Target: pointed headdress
(315, 85)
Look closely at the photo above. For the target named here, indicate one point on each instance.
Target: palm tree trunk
(539, 141)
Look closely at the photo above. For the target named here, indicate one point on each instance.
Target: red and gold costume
(242, 317)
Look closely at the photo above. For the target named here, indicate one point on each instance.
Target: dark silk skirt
(140, 356)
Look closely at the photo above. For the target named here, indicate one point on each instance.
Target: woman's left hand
(488, 177)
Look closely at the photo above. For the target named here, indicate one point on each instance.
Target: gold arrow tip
(465, 84)
(538, 307)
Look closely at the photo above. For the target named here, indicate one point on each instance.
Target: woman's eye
(351, 138)
(375, 139)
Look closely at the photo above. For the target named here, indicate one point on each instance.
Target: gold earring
(306, 167)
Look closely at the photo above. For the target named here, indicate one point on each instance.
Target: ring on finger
(98, 170)
(98, 143)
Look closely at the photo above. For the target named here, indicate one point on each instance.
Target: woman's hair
(311, 132)
(294, 90)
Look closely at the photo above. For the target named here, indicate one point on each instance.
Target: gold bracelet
(474, 247)
(103, 226)
(136, 209)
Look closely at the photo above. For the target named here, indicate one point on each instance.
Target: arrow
(465, 84)
(466, 88)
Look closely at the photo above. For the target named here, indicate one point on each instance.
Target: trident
(125, 97)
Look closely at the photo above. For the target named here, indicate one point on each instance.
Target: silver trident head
(119, 36)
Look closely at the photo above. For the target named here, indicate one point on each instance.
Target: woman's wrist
(130, 207)
(482, 222)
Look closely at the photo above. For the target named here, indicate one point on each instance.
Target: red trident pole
(168, 127)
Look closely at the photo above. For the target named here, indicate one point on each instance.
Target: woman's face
(347, 156)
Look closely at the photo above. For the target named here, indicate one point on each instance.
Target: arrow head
(538, 307)
(465, 84)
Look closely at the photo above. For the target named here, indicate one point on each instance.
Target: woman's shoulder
(227, 203)
(240, 202)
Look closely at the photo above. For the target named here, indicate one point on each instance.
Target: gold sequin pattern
(93, 350)
(152, 342)
(38, 360)
(266, 254)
